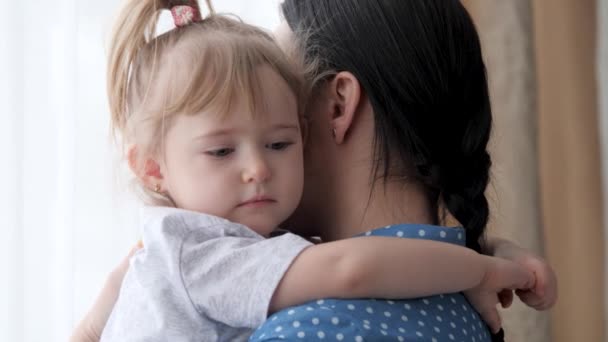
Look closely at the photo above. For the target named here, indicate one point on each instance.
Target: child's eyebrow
(286, 126)
(216, 133)
(229, 131)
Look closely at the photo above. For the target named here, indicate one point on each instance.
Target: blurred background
(69, 216)
(548, 69)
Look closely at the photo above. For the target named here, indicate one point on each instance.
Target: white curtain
(602, 21)
(67, 213)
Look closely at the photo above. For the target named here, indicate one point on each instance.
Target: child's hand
(544, 293)
(90, 327)
(500, 276)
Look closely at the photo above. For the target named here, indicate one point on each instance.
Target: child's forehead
(250, 93)
(241, 114)
(266, 97)
(208, 127)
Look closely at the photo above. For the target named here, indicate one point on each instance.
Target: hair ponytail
(134, 29)
(168, 4)
(464, 165)
(465, 198)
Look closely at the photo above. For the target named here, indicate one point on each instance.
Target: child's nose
(257, 171)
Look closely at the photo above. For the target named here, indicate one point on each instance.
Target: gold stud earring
(157, 188)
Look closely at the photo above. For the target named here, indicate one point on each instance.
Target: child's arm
(384, 267)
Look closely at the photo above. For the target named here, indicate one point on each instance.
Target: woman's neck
(361, 208)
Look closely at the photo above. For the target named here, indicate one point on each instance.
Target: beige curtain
(602, 63)
(541, 63)
(570, 164)
(505, 28)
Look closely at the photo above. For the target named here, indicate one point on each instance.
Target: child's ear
(147, 169)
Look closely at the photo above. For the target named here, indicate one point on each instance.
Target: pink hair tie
(185, 15)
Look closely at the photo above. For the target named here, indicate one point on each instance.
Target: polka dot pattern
(447, 317)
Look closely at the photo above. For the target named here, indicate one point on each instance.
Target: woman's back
(447, 317)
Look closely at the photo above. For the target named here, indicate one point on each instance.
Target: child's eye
(220, 152)
(279, 145)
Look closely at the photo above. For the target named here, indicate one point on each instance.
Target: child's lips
(257, 201)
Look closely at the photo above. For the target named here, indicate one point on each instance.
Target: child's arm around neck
(392, 268)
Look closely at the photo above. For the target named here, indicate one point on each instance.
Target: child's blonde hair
(202, 66)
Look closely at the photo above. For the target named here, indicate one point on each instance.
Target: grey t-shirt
(198, 278)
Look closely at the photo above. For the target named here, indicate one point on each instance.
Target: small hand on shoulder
(544, 293)
(89, 329)
(513, 270)
(500, 275)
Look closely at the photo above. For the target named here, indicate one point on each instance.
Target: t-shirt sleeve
(231, 279)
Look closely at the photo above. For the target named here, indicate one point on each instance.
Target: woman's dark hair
(420, 64)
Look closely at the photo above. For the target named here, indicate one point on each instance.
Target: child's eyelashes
(220, 152)
(279, 145)
(224, 152)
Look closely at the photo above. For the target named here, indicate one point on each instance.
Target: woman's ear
(345, 94)
(146, 169)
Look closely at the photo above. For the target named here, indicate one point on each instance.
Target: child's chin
(262, 229)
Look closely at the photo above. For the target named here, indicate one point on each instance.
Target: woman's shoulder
(455, 235)
(442, 317)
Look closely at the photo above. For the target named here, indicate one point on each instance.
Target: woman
(399, 123)
(399, 128)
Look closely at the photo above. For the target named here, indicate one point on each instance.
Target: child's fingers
(139, 245)
(92, 324)
(119, 272)
(541, 281)
(546, 281)
(530, 298)
(517, 277)
(492, 319)
(485, 304)
(506, 298)
(547, 286)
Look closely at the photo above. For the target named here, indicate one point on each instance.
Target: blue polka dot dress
(447, 317)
